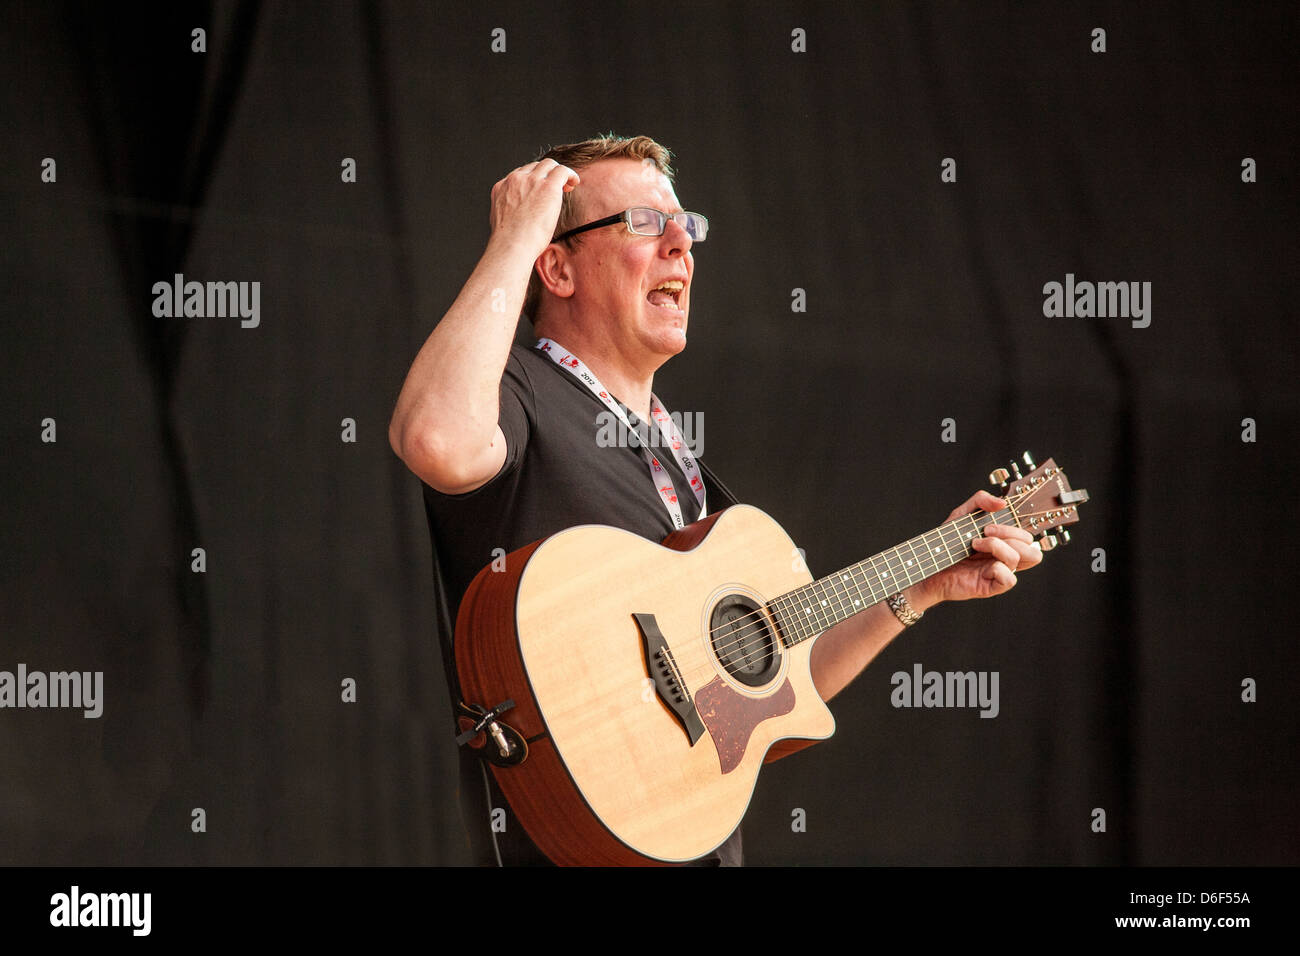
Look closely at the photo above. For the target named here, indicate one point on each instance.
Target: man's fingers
(571, 178)
(564, 171)
(1010, 532)
(998, 549)
(980, 501)
(1029, 550)
(1002, 574)
(549, 168)
(541, 169)
(1030, 554)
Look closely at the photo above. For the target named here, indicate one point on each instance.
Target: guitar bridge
(670, 687)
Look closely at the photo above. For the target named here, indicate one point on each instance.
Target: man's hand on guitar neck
(842, 652)
(1004, 550)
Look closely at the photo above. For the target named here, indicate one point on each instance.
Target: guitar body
(593, 632)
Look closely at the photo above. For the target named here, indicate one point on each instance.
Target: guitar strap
(728, 498)
(448, 629)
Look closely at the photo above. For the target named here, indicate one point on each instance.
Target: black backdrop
(820, 170)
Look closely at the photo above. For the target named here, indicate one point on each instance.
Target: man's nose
(676, 240)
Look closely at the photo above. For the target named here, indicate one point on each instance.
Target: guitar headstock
(1040, 501)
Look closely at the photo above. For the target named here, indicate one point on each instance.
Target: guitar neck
(807, 611)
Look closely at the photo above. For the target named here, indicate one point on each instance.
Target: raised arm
(444, 426)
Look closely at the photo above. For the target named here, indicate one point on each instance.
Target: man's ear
(555, 270)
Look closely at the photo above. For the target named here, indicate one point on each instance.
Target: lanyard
(663, 482)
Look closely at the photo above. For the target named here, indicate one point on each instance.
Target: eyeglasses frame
(625, 217)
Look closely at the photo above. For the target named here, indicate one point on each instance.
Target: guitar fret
(836, 602)
(817, 619)
(843, 612)
(941, 547)
(810, 601)
(854, 589)
(803, 605)
(891, 571)
(781, 611)
(883, 576)
(823, 604)
(951, 538)
(812, 608)
(937, 549)
(796, 615)
(847, 593)
(776, 609)
(789, 621)
(876, 597)
(829, 599)
(901, 571)
(798, 608)
(909, 564)
(915, 561)
(931, 549)
(836, 608)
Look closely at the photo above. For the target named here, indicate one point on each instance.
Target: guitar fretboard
(807, 611)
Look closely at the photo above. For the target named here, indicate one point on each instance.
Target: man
(592, 243)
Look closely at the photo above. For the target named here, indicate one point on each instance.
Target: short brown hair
(580, 155)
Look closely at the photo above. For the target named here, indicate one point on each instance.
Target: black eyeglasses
(644, 221)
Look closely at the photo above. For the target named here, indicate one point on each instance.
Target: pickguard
(731, 716)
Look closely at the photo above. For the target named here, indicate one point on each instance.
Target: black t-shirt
(561, 470)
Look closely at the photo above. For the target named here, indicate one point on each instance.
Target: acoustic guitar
(627, 693)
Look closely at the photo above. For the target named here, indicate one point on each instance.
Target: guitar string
(707, 669)
(1011, 500)
(760, 621)
(740, 634)
(758, 616)
(782, 609)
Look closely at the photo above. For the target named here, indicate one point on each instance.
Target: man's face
(618, 276)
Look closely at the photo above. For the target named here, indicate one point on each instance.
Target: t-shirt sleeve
(515, 416)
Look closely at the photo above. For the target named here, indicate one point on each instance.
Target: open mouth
(667, 295)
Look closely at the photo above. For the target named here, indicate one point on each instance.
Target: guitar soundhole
(743, 641)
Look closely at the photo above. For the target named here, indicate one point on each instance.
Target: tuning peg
(1015, 470)
(999, 476)
(1064, 536)
(1029, 461)
(1047, 542)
